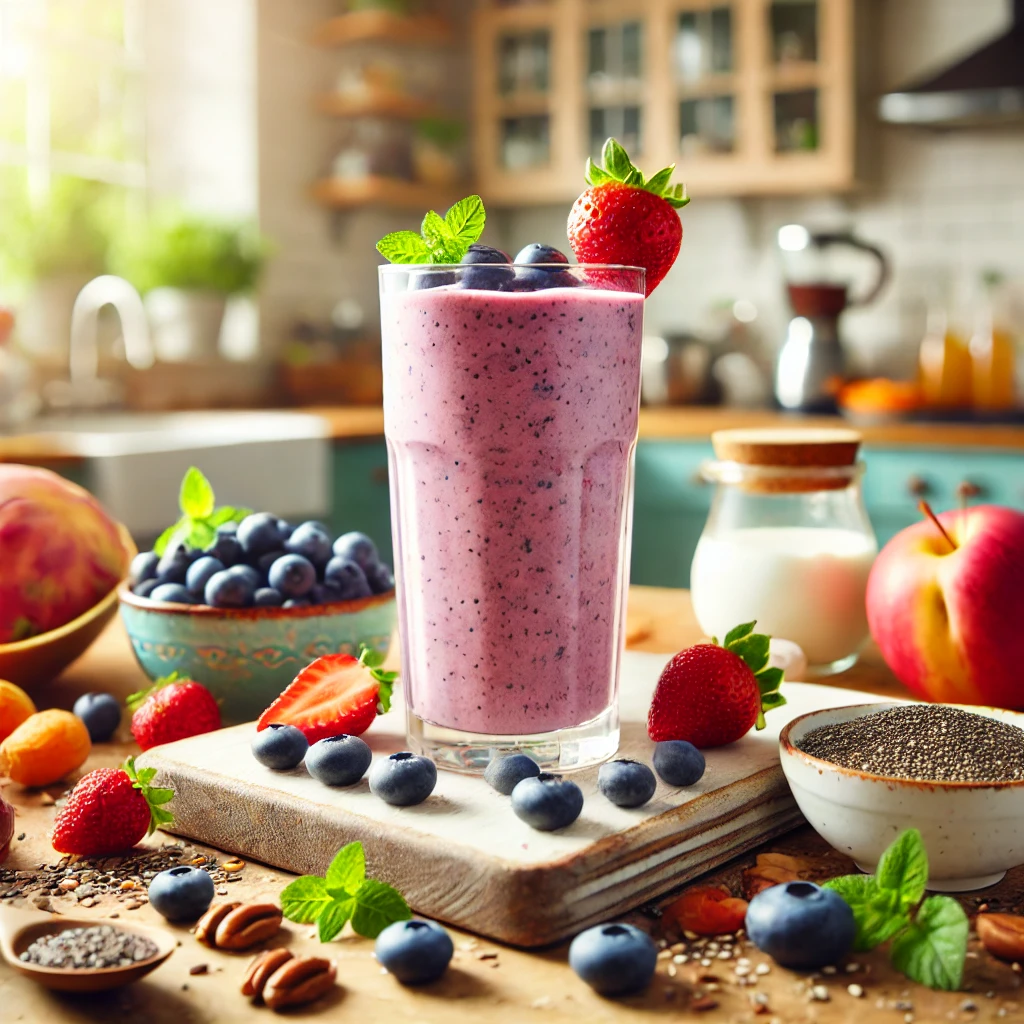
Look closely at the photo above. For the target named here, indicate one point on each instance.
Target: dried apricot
(707, 910)
(15, 706)
(44, 748)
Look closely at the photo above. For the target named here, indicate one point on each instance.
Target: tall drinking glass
(511, 425)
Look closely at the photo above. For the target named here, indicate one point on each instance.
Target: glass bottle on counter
(944, 362)
(788, 542)
(992, 352)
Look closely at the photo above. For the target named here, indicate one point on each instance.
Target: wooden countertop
(352, 423)
(507, 988)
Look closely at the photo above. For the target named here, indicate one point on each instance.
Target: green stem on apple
(926, 509)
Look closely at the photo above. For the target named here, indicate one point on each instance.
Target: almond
(261, 967)
(299, 981)
(1002, 935)
(247, 926)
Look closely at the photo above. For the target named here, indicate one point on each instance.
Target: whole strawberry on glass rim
(110, 810)
(173, 708)
(713, 694)
(628, 219)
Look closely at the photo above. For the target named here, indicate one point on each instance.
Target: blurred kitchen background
(854, 244)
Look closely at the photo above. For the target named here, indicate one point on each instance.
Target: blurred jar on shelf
(944, 361)
(374, 146)
(991, 347)
(439, 151)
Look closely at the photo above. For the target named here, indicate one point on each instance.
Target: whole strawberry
(172, 709)
(110, 810)
(711, 695)
(628, 219)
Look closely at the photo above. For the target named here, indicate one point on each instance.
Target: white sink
(273, 461)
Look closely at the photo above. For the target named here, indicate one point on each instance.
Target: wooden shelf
(378, 104)
(344, 193)
(383, 27)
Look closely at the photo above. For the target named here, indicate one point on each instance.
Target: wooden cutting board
(463, 856)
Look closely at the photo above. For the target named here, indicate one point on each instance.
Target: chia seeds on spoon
(97, 946)
(925, 742)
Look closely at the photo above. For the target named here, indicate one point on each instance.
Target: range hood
(984, 88)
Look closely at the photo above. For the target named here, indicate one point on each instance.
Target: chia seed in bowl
(95, 947)
(922, 742)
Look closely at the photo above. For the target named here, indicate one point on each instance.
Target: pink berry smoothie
(511, 421)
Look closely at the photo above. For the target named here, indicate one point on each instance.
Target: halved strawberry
(335, 694)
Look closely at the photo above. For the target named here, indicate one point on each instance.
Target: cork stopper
(785, 460)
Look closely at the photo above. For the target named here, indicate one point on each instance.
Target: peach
(60, 552)
(946, 613)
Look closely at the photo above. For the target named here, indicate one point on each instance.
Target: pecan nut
(1002, 935)
(261, 967)
(300, 980)
(247, 926)
(206, 926)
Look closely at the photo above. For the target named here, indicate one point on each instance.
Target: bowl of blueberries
(246, 613)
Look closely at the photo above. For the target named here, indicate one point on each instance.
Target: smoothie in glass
(511, 423)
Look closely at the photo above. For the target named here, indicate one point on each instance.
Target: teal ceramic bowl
(247, 656)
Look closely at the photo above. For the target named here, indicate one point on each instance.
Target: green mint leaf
(738, 633)
(227, 514)
(196, 495)
(404, 247)
(305, 899)
(875, 912)
(933, 949)
(769, 680)
(616, 160)
(201, 534)
(172, 536)
(465, 219)
(439, 238)
(377, 906)
(334, 917)
(903, 869)
(348, 869)
(753, 649)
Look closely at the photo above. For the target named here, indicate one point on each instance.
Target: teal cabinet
(360, 491)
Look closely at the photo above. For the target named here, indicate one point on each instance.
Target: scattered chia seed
(98, 946)
(926, 742)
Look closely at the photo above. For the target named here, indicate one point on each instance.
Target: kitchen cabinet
(750, 97)
(361, 498)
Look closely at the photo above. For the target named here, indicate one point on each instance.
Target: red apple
(946, 608)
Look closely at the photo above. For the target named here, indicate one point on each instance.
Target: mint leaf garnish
(753, 649)
(933, 949)
(617, 167)
(196, 495)
(442, 239)
(344, 894)
(197, 527)
(929, 942)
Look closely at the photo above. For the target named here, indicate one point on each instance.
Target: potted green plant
(187, 267)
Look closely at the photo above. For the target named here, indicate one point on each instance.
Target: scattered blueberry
(311, 541)
(280, 747)
(358, 548)
(547, 802)
(339, 760)
(348, 577)
(380, 578)
(225, 548)
(143, 567)
(231, 588)
(173, 566)
(267, 597)
(626, 783)
(536, 252)
(176, 592)
(614, 959)
(801, 925)
(146, 588)
(101, 714)
(183, 893)
(200, 571)
(415, 952)
(259, 533)
(293, 575)
(403, 779)
(504, 773)
(678, 762)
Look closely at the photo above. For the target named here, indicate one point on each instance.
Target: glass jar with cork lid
(788, 542)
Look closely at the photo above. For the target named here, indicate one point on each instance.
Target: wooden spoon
(20, 928)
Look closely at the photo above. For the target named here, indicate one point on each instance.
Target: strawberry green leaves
(197, 527)
(373, 659)
(753, 649)
(929, 938)
(441, 239)
(344, 894)
(142, 780)
(616, 166)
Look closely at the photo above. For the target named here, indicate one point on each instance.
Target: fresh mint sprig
(441, 239)
(344, 894)
(197, 527)
(929, 936)
(617, 168)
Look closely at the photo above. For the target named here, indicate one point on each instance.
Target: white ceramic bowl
(973, 831)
